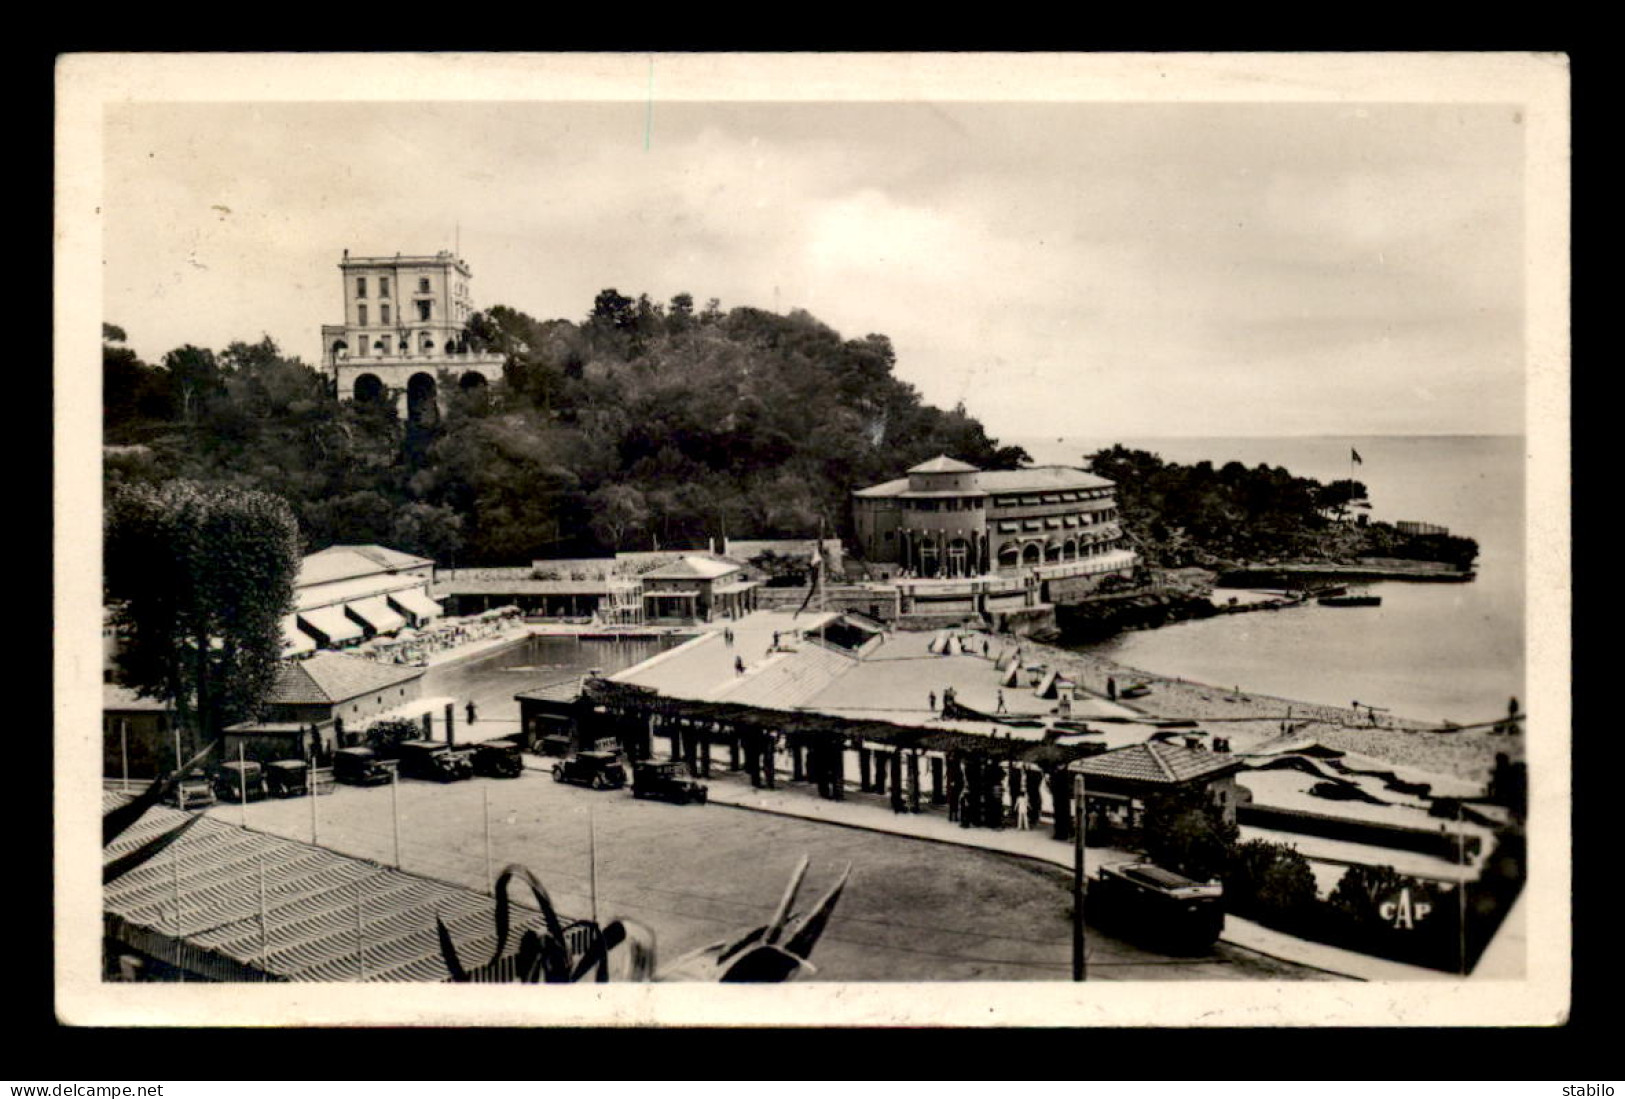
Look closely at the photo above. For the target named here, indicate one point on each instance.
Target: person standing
(933, 697)
(1111, 688)
(1022, 823)
(739, 665)
(469, 709)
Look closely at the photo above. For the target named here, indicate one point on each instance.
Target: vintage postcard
(913, 539)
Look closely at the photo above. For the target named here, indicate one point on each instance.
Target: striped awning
(377, 613)
(416, 602)
(295, 640)
(330, 623)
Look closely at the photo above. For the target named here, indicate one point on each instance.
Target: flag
(817, 579)
(1354, 456)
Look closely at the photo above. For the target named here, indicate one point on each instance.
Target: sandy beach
(1254, 722)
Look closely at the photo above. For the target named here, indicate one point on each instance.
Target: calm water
(1431, 651)
(492, 680)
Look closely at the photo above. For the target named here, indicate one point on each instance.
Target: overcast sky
(1069, 269)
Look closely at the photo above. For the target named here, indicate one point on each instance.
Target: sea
(1431, 651)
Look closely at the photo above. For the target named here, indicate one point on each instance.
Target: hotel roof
(335, 677)
(943, 464)
(1030, 479)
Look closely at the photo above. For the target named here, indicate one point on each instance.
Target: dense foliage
(1186, 831)
(642, 426)
(199, 579)
(1177, 516)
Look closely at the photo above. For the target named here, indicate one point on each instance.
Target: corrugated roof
(336, 677)
(691, 568)
(1157, 763)
(327, 916)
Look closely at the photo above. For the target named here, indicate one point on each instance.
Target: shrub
(1272, 883)
(385, 736)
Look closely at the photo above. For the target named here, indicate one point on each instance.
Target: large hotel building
(947, 519)
(403, 330)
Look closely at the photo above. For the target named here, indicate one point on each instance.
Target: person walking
(1001, 708)
(739, 665)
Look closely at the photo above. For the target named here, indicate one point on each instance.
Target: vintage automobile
(193, 791)
(240, 781)
(498, 759)
(432, 760)
(287, 778)
(669, 781)
(600, 770)
(360, 767)
(1154, 906)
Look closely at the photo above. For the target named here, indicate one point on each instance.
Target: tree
(199, 579)
(1272, 883)
(617, 512)
(1186, 831)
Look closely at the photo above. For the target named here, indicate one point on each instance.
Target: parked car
(287, 778)
(360, 767)
(498, 759)
(433, 760)
(600, 770)
(193, 791)
(240, 781)
(670, 781)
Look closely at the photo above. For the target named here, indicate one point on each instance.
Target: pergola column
(797, 773)
(897, 780)
(937, 795)
(705, 754)
(864, 782)
(914, 782)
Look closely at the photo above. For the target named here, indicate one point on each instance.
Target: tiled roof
(335, 677)
(1157, 763)
(943, 464)
(692, 568)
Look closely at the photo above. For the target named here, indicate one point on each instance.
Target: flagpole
(592, 863)
(490, 882)
(124, 752)
(395, 811)
(175, 886)
(264, 950)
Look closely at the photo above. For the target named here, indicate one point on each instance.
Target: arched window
(1031, 554)
(1009, 555)
(368, 388)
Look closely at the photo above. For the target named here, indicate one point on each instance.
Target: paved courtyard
(913, 910)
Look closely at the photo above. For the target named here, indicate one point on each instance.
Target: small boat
(1350, 600)
(1138, 690)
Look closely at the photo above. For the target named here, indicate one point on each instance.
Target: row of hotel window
(425, 312)
(973, 503)
(383, 286)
